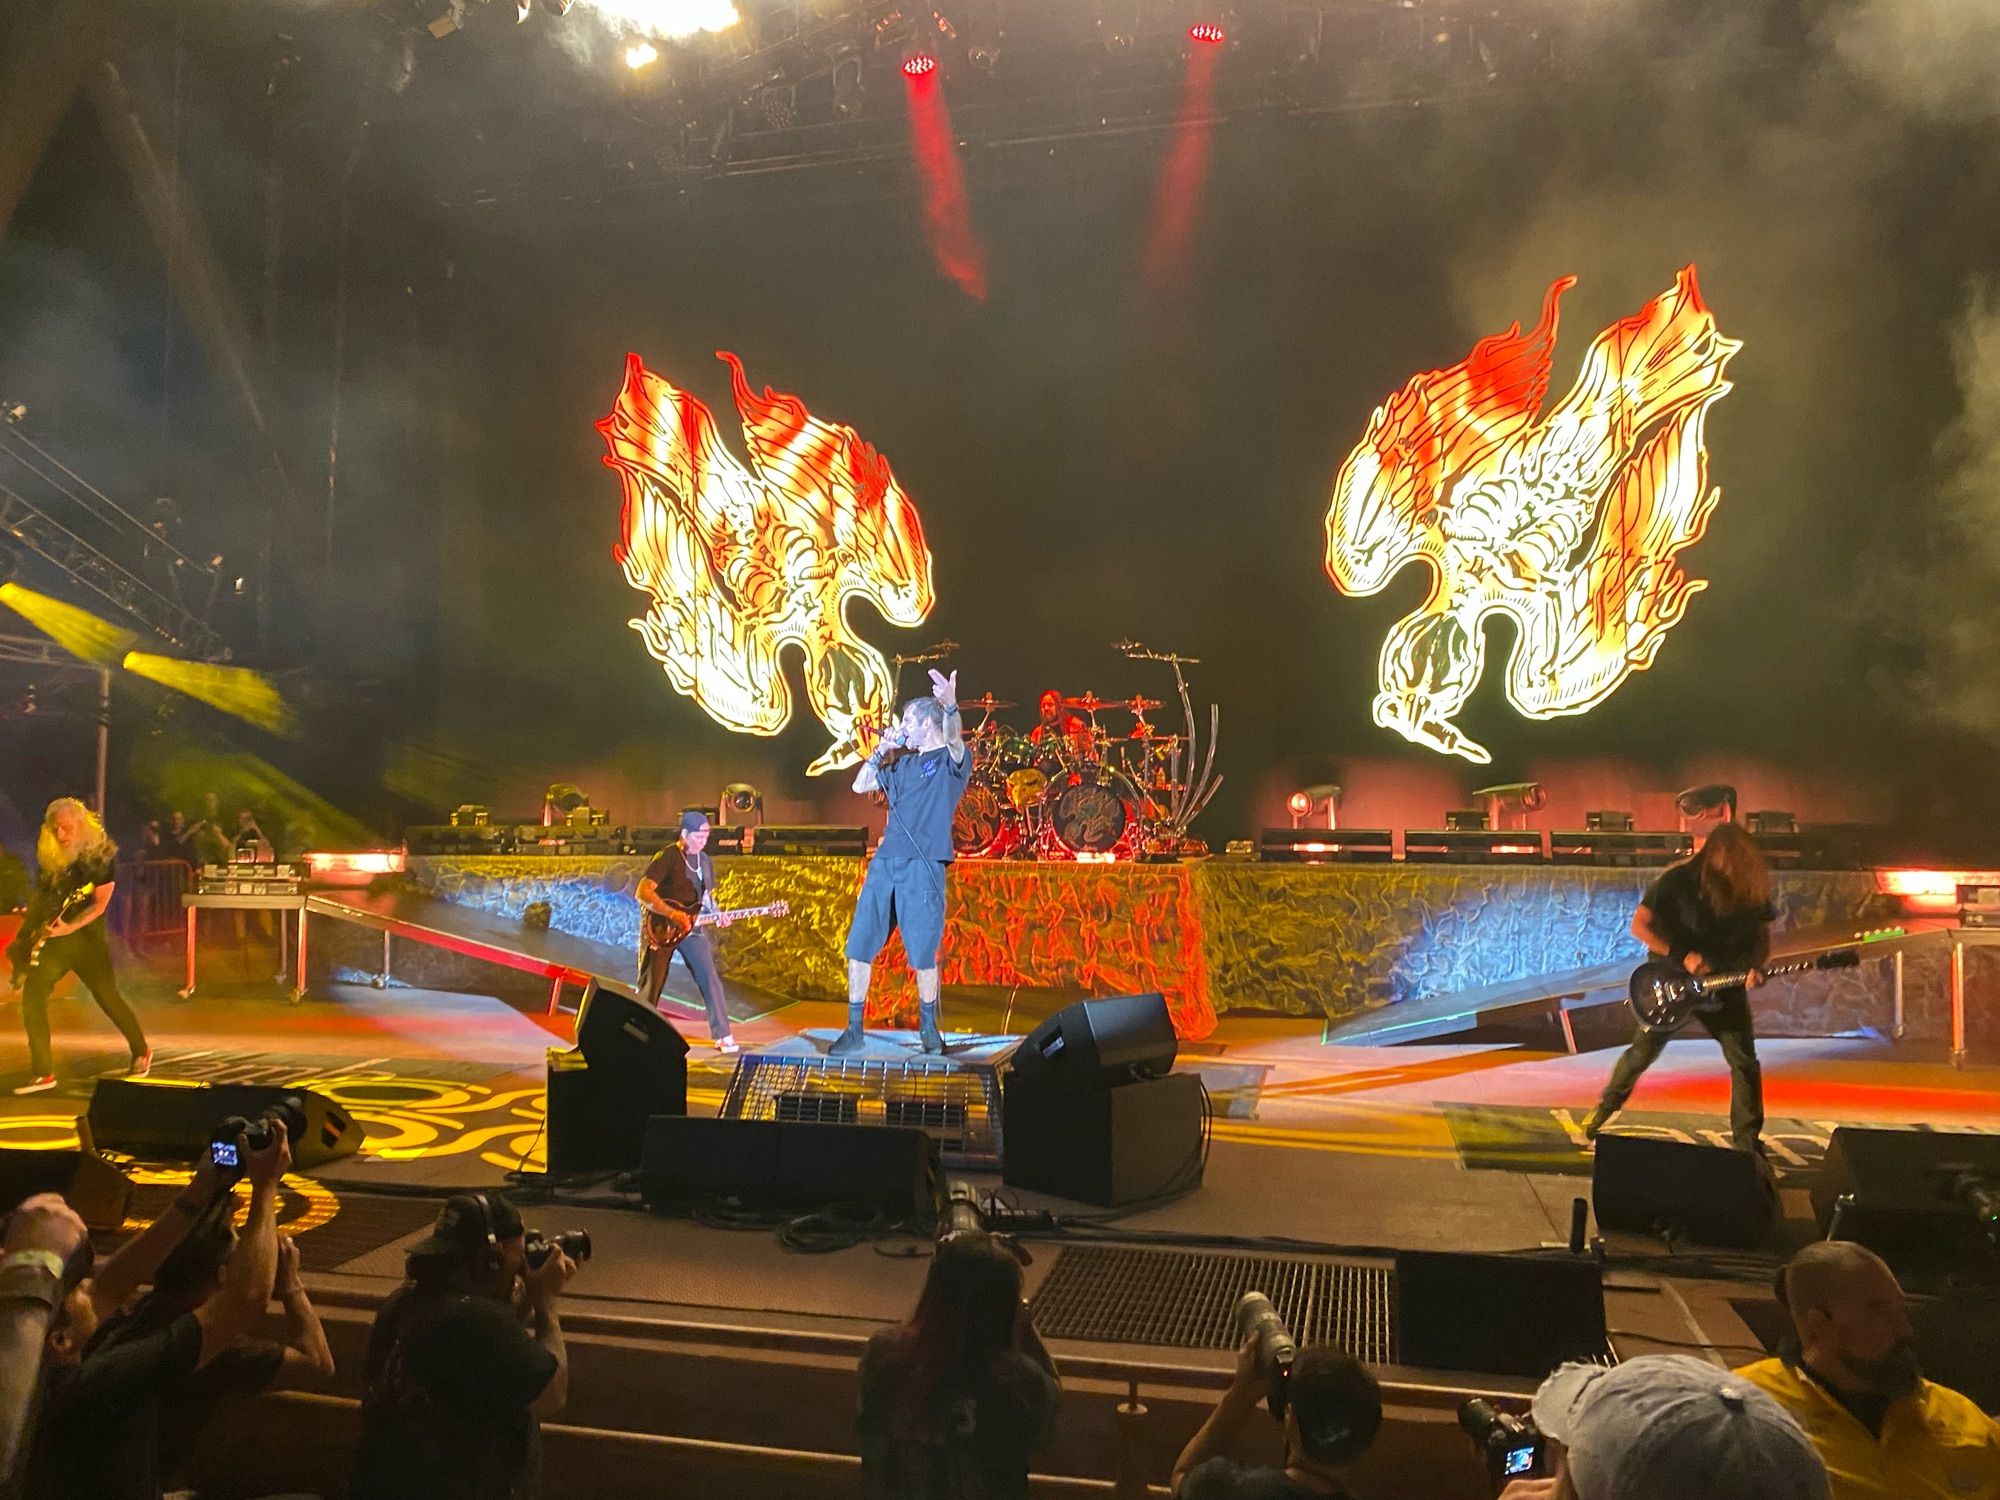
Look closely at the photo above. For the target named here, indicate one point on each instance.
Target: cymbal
(1139, 705)
(986, 704)
(1090, 703)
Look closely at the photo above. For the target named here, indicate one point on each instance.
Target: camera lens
(538, 1247)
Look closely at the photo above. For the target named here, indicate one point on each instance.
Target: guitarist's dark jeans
(86, 954)
(700, 956)
(1730, 1025)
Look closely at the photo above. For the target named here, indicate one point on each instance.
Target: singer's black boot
(854, 1038)
(927, 1028)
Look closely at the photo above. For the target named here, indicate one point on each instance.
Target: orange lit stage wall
(740, 562)
(1567, 522)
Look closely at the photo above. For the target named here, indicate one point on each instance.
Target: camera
(1276, 1349)
(288, 1115)
(1514, 1449)
(537, 1247)
(961, 1211)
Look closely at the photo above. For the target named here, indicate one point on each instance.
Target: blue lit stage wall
(1217, 937)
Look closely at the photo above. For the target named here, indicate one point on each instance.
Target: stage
(1325, 1156)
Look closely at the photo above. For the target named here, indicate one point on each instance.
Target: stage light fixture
(1711, 800)
(919, 65)
(1208, 33)
(1324, 795)
(1300, 804)
(641, 54)
(847, 85)
(740, 797)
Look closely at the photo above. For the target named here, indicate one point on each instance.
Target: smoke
(1937, 58)
(1959, 682)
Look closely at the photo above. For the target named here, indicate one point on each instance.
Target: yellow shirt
(1936, 1445)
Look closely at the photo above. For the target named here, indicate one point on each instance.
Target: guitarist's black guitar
(1664, 995)
(26, 950)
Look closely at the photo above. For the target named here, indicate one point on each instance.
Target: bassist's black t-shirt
(1739, 940)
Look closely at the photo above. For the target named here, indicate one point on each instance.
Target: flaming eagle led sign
(740, 563)
(1567, 522)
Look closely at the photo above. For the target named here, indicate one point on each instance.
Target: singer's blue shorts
(905, 894)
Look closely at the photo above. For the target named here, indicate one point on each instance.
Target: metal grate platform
(1178, 1299)
(958, 1104)
(1185, 1300)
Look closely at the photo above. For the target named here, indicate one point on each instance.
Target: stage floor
(1469, 1147)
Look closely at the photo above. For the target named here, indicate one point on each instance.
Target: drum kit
(1097, 780)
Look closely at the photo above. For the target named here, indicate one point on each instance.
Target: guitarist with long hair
(63, 933)
(1710, 914)
(680, 885)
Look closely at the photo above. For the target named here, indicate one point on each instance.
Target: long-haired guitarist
(63, 933)
(680, 885)
(1710, 914)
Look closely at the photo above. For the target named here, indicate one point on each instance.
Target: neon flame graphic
(740, 564)
(1569, 522)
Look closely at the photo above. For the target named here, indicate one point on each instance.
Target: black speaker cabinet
(99, 1192)
(1103, 1146)
(1497, 1314)
(1098, 1043)
(172, 1122)
(614, 1031)
(597, 1116)
(787, 1164)
(1903, 1192)
(1710, 1194)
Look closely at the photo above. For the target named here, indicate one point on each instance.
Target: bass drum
(977, 826)
(1089, 814)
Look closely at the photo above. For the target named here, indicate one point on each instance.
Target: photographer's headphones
(488, 1231)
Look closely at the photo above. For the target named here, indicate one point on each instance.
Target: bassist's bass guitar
(1664, 995)
(663, 932)
(26, 950)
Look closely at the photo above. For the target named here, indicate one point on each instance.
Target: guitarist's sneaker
(141, 1065)
(728, 1046)
(38, 1085)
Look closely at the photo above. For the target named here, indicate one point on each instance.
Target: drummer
(1059, 724)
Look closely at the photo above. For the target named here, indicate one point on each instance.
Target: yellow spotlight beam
(77, 631)
(236, 691)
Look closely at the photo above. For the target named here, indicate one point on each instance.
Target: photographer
(1332, 1411)
(101, 1427)
(454, 1386)
(955, 1401)
(1667, 1427)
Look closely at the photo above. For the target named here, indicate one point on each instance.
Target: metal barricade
(146, 906)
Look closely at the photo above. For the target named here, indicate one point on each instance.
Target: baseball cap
(693, 819)
(1670, 1426)
(464, 1224)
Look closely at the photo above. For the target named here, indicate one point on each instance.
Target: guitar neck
(707, 918)
(1769, 971)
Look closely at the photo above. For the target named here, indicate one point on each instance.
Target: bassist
(1711, 914)
(679, 885)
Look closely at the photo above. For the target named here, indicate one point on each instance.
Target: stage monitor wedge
(1908, 1194)
(160, 1121)
(100, 1192)
(781, 1164)
(1497, 1314)
(1713, 1195)
(1108, 1147)
(1100, 1043)
(616, 1033)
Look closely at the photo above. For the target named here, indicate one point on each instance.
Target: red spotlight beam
(955, 245)
(1184, 173)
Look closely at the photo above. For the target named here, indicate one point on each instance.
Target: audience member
(955, 1400)
(177, 839)
(45, 1244)
(248, 841)
(101, 1428)
(1849, 1374)
(454, 1386)
(1333, 1410)
(211, 839)
(1667, 1427)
